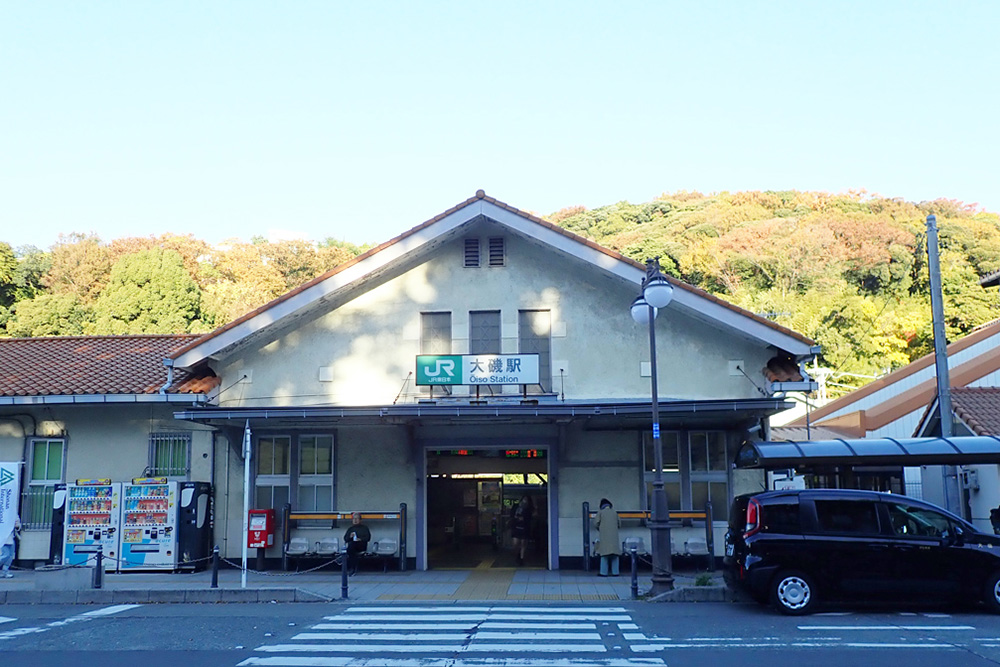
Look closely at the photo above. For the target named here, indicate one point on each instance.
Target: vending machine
(149, 525)
(91, 520)
(194, 525)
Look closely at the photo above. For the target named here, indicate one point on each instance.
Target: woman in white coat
(608, 543)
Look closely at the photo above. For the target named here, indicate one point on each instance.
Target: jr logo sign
(439, 369)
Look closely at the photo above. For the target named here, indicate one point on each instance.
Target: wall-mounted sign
(438, 369)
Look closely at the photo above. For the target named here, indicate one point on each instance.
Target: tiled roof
(978, 408)
(65, 365)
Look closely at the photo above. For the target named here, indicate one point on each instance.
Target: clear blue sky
(358, 120)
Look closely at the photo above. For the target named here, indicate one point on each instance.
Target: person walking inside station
(608, 543)
(7, 550)
(520, 527)
(356, 538)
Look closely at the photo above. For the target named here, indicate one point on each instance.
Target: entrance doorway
(471, 498)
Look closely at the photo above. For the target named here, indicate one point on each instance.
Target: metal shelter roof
(871, 451)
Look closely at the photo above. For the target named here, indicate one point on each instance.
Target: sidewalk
(74, 585)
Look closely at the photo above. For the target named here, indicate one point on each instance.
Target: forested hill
(847, 270)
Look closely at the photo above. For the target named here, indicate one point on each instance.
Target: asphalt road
(481, 635)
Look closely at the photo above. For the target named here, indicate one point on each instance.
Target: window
(435, 338)
(315, 473)
(695, 470)
(708, 451)
(918, 522)
(273, 476)
(471, 253)
(484, 332)
(169, 454)
(47, 456)
(847, 517)
(534, 332)
(782, 518)
(295, 469)
(435, 333)
(484, 336)
(671, 473)
(497, 251)
(46, 461)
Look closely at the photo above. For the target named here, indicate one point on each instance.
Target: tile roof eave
(101, 399)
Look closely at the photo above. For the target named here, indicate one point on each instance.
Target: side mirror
(955, 537)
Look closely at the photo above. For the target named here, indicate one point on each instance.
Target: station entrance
(472, 495)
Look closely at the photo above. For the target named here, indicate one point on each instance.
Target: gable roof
(976, 407)
(899, 393)
(449, 225)
(95, 365)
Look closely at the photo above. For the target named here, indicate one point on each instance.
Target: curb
(695, 594)
(131, 596)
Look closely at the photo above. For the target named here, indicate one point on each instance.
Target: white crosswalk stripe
(452, 636)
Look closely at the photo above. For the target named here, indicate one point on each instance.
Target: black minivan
(800, 548)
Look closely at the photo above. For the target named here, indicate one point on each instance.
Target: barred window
(169, 454)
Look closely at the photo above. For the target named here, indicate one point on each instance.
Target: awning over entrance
(874, 451)
(692, 414)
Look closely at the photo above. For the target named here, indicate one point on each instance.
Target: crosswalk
(460, 636)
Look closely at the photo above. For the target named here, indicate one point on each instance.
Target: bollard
(635, 574)
(99, 569)
(215, 567)
(343, 572)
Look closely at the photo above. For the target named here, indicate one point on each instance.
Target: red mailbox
(261, 529)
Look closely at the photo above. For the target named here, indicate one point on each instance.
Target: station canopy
(872, 451)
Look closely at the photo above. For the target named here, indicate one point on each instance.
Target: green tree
(49, 315)
(148, 292)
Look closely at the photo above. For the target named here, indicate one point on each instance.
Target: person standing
(520, 527)
(356, 538)
(7, 550)
(608, 542)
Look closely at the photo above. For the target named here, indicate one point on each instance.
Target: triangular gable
(449, 225)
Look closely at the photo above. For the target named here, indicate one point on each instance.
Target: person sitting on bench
(356, 538)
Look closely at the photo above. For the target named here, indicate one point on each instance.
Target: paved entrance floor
(488, 584)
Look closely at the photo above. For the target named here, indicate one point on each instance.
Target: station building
(341, 387)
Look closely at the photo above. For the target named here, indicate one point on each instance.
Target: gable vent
(497, 255)
(471, 253)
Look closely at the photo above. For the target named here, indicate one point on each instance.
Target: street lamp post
(656, 292)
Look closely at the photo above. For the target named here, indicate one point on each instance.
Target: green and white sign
(438, 369)
(10, 474)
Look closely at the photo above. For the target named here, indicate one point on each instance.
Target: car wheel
(793, 593)
(991, 593)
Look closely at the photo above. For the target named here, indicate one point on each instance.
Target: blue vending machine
(91, 520)
(149, 525)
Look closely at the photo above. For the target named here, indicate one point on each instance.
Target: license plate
(730, 549)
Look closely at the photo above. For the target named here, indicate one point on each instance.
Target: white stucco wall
(102, 441)
(368, 345)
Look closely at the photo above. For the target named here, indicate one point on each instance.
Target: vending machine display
(91, 520)
(149, 525)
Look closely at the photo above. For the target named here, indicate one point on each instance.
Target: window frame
(47, 481)
(156, 439)
(293, 482)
